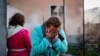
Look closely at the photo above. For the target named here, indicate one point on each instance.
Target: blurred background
(70, 13)
(92, 27)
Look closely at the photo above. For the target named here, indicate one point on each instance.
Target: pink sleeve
(27, 39)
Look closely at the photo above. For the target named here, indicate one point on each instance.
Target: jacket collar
(43, 29)
(13, 30)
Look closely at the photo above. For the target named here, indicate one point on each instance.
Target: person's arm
(39, 45)
(61, 46)
(27, 40)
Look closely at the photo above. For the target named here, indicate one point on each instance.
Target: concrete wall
(36, 10)
(3, 28)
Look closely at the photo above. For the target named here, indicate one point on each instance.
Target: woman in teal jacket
(42, 45)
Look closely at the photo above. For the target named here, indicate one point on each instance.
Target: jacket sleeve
(39, 45)
(27, 39)
(61, 46)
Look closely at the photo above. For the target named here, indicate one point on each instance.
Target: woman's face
(52, 29)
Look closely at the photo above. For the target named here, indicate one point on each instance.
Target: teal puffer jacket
(41, 46)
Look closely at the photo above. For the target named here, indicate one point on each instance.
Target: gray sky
(88, 4)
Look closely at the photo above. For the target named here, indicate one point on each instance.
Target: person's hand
(55, 35)
(51, 34)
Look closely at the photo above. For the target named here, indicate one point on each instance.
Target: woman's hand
(51, 34)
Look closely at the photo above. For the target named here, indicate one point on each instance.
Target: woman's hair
(17, 19)
(54, 21)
